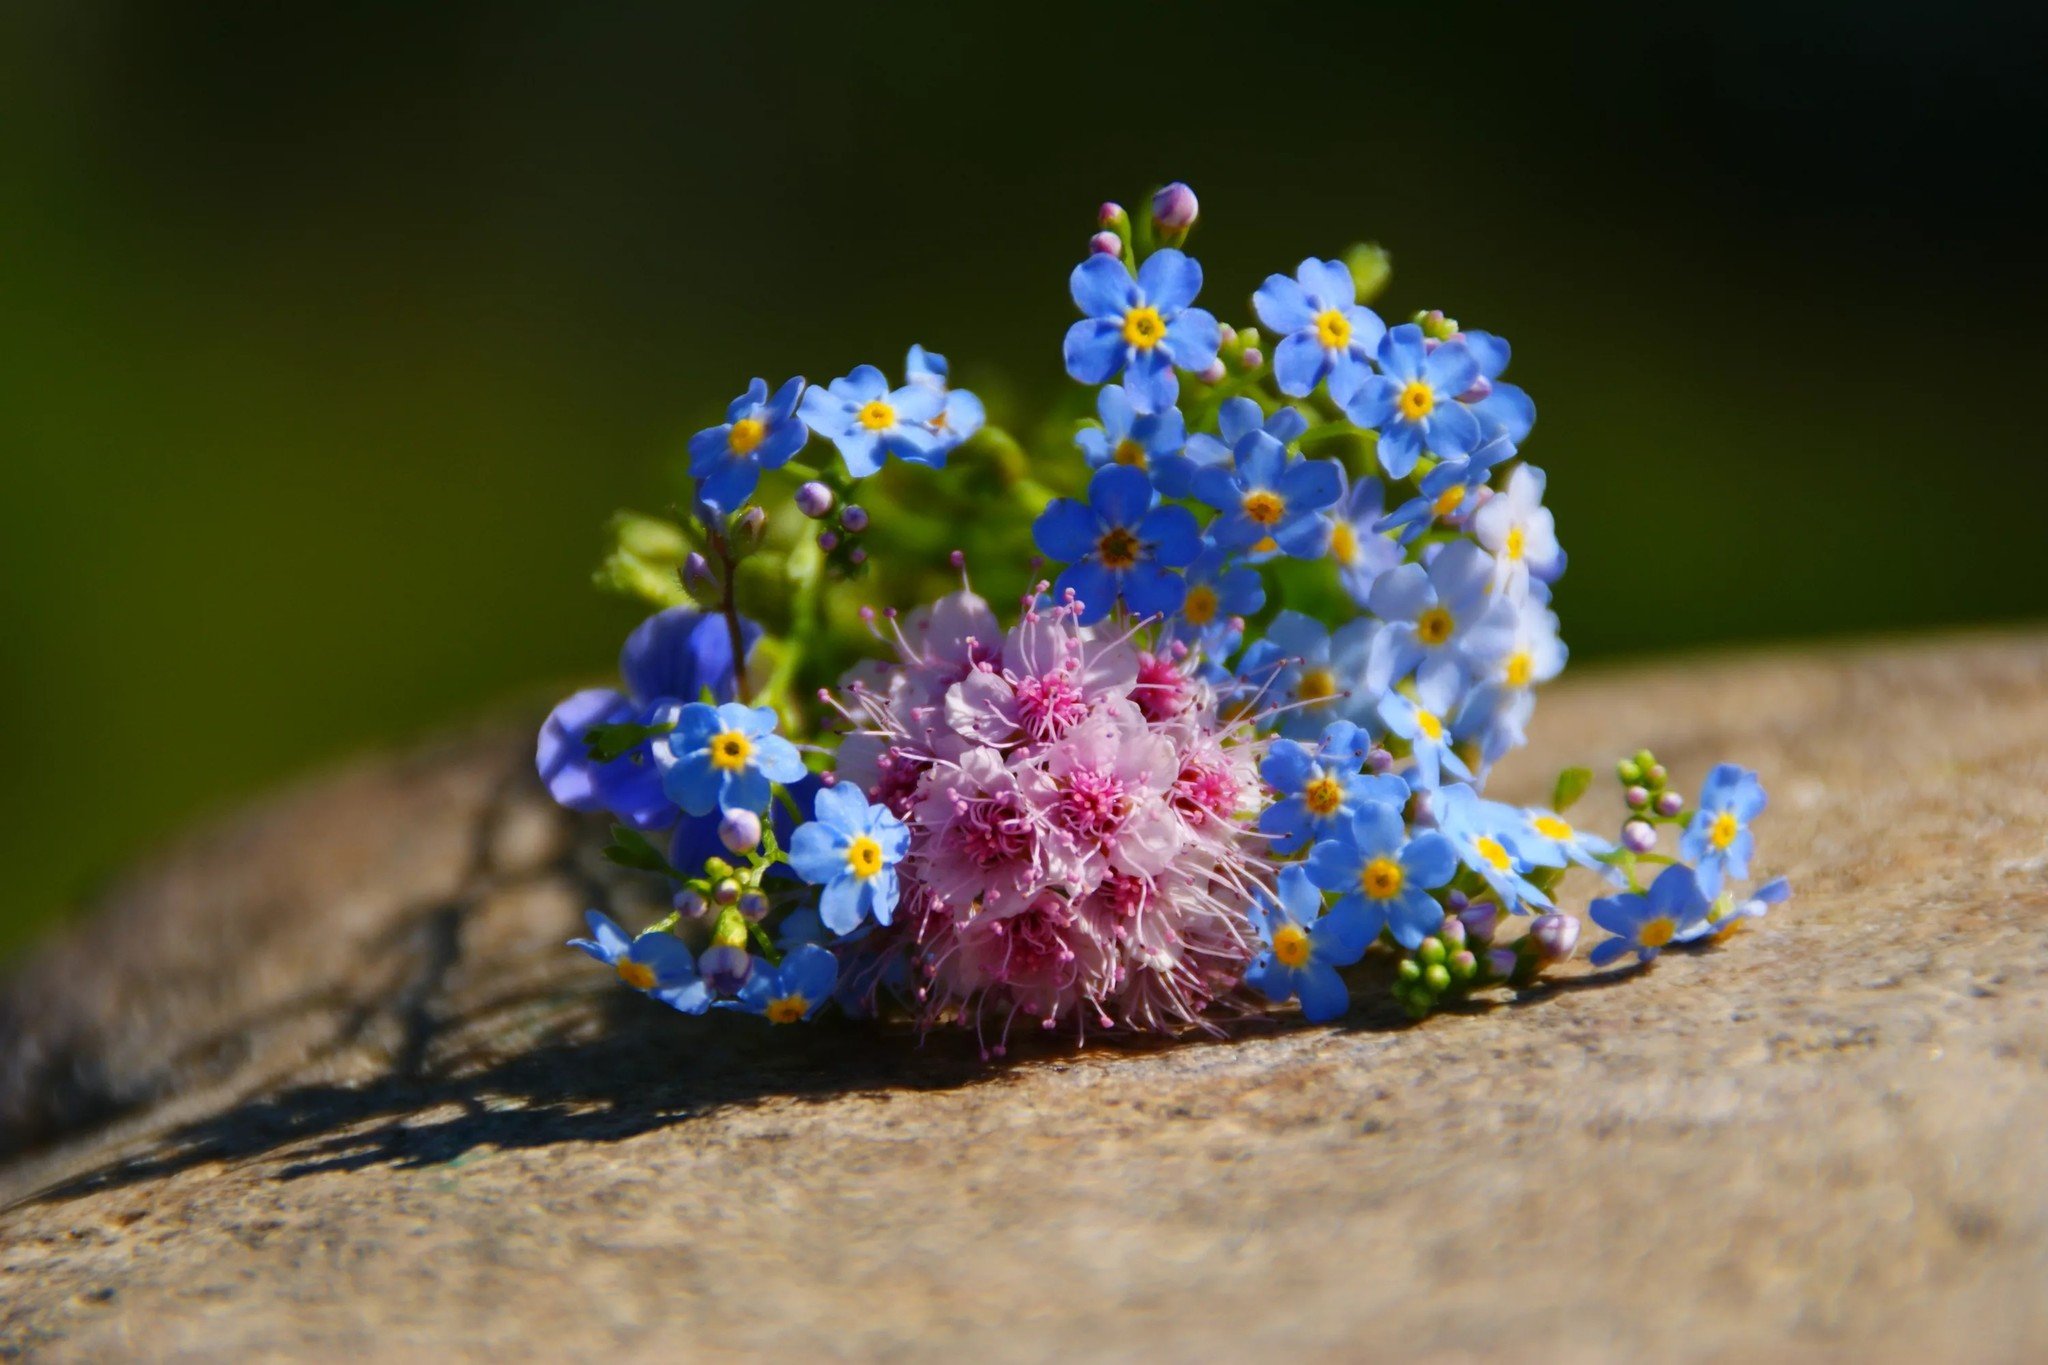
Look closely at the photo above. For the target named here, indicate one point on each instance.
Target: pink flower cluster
(1079, 849)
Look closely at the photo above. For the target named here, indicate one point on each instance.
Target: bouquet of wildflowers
(1286, 601)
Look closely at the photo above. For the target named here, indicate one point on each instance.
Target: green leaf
(607, 743)
(1571, 785)
(630, 848)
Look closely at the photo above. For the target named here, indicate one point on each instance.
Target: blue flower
(672, 656)
(1268, 501)
(1316, 791)
(758, 433)
(1444, 611)
(1304, 947)
(1324, 331)
(1425, 720)
(1497, 712)
(1294, 663)
(1385, 875)
(725, 758)
(1445, 495)
(1127, 438)
(1718, 840)
(792, 992)
(851, 849)
(962, 415)
(1235, 420)
(869, 422)
(653, 964)
(1413, 402)
(1218, 594)
(1361, 552)
(1140, 328)
(1674, 910)
(696, 839)
(1119, 545)
(1547, 839)
(1502, 409)
(1487, 836)
(1727, 914)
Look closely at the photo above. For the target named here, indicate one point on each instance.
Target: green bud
(1409, 970)
(1655, 775)
(1435, 325)
(1431, 952)
(1629, 771)
(650, 538)
(717, 867)
(1462, 965)
(1371, 267)
(1437, 978)
(731, 929)
(1645, 760)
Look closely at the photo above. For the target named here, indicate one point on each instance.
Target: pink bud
(814, 499)
(1556, 936)
(1106, 244)
(1213, 374)
(1174, 208)
(1109, 213)
(1639, 836)
(740, 831)
(1253, 358)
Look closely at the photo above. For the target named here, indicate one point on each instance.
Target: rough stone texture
(353, 1098)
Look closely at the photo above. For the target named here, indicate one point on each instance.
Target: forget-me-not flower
(1413, 402)
(659, 965)
(1727, 914)
(962, 414)
(1140, 328)
(1520, 532)
(1323, 329)
(1118, 544)
(869, 421)
(1718, 840)
(851, 849)
(1219, 593)
(1383, 874)
(1268, 501)
(1317, 790)
(1503, 409)
(759, 432)
(1235, 420)
(1488, 839)
(1361, 552)
(1304, 947)
(725, 758)
(1425, 720)
(1446, 610)
(1128, 437)
(1673, 910)
(791, 991)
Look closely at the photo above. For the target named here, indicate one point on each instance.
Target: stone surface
(323, 1082)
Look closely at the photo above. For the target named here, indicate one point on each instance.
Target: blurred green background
(330, 334)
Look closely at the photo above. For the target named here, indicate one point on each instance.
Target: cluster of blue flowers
(1225, 469)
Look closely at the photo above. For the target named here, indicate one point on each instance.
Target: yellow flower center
(1317, 684)
(1520, 668)
(1416, 401)
(1118, 549)
(1723, 831)
(1344, 544)
(1129, 452)
(878, 416)
(1428, 722)
(1143, 327)
(1200, 607)
(1516, 539)
(787, 1009)
(638, 975)
(1448, 501)
(1382, 879)
(1264, 507)
(746, 434)
(864, 857)
(1550, 827)
(1657, 932)
(1333, 329)
(1323, 796)
(730, 751)
(1290, 945)
(1434, 626)
(1265, 545)
(1491, 850)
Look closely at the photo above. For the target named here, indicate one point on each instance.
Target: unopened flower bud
(1437, 977)
(1452, 933)
(697, 571)
(854, 519)
(753, 905)
(725, 968)
(1639, 836)
(1629, 771)
(1253, 357)
(1435, 326)
(751, 527)
(1480, 919)
(1379, 760)
(1174, 208)
(690, 903)
(1637, 797)
(1463, 966)
(1645, 760)
(1481, 390)
(1555, 936)
(828, 541)
(717, 867)
(1656, 776)
(1500, 962)
(1106, 244)
(1431, 951)
(1109, 213)
(1214, 373)
(725, 891)
(740, 831)
(856, 555)
(1226, 335)
(813, 499)
(1670, 803)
